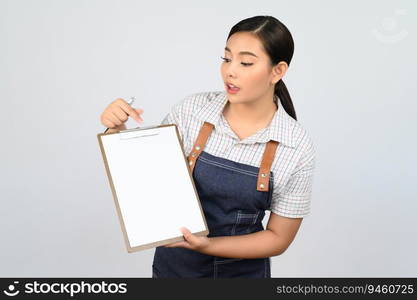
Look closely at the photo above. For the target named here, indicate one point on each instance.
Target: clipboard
(152, 186)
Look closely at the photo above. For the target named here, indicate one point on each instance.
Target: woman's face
(250, 70)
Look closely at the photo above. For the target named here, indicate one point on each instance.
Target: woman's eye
(225, 59)
(228, 60)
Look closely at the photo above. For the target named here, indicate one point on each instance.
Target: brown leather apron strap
(266, 163)
(199, 144)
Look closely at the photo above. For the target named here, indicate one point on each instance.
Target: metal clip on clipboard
(138, 132)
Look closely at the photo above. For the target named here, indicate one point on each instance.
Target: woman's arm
(272, 241)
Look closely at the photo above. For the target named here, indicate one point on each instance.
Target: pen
(130, 102)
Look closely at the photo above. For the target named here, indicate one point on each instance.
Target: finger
(120, 114)
(191, 238)
(139, 111)
(111, 118)
(177, 244)
(130, 111)
(108, 123)
(114, 118)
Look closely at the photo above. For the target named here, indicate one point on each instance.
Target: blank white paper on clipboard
(152, 186)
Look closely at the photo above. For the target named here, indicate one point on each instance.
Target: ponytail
(282, 93)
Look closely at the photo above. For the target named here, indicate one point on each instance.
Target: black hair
(278, 44)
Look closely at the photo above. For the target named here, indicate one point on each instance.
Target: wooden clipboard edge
(129, 248)
(164, 242)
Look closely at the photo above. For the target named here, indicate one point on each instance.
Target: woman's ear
(278, 71)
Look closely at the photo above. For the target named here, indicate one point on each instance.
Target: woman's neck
(257, 114)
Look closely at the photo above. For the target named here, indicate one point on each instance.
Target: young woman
(247, 153)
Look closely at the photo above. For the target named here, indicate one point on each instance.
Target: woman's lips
(231, 85)
(232, 90)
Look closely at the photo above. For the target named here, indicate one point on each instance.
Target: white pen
(130, 102)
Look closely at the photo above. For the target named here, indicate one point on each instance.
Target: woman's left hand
(192, 241)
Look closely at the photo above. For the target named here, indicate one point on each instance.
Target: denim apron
(234, 197)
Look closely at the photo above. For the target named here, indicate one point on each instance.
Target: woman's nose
(230, 70)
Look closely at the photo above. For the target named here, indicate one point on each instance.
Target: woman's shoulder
(303, 140)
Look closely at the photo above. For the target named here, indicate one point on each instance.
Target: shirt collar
(280, 129)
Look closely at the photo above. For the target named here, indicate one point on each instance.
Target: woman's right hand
(118, 112)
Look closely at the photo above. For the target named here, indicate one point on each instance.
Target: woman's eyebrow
(241, 52)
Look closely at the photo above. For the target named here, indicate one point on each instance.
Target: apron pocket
(245, 220)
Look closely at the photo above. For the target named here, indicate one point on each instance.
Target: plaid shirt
(294, 160)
